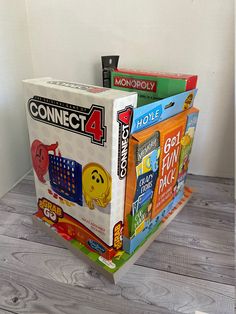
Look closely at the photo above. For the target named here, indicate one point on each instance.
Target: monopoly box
(157, 168)
(79, 147)
(152, 86)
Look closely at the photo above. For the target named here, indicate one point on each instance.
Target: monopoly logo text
(133, 83)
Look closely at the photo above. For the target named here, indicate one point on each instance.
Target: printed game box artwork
(157, 168)
(108, 175)
(152, 86)
(79, 148)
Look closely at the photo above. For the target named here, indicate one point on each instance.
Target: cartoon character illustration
(150, 162)
(40, 158)
(190, 132)
(186, 140)
(188, 101)
(186, 143)
(96, 183)
(154, 160)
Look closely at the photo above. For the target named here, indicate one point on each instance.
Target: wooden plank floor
(189, 268)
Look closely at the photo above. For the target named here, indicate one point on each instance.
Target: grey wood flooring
(188, 268)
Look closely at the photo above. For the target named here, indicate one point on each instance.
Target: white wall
(15, 64)
(67, 39)
(191, 36)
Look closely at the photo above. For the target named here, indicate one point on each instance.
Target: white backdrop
(65, 39)
(190, 36)
(15, 65)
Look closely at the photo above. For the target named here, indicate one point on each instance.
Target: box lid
(78, 88)
(155, 74)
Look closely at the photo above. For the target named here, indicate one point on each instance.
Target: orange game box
(157, 167)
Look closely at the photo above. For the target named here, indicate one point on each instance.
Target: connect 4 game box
(79, 148)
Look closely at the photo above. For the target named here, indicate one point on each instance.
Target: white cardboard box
(79, 147)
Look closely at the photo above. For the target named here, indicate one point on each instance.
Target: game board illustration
(66, 178)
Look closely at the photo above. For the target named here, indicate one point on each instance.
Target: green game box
(152, 86)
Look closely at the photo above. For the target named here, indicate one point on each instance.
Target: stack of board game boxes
(160, 144)
(110, 165)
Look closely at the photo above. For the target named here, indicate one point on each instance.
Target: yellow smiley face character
(96, 183)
